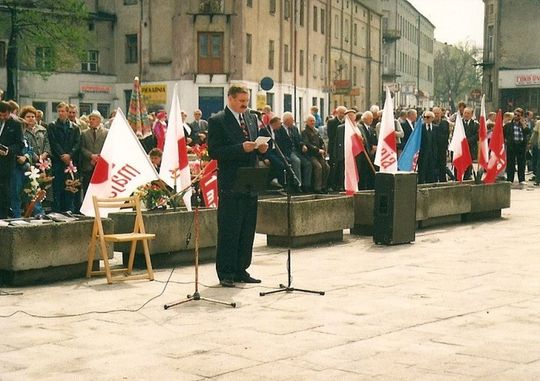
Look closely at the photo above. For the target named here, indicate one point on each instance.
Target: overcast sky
(455, 20)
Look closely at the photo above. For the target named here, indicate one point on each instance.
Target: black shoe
(246, 279)
(226, 283)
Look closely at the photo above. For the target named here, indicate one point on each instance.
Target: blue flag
(409, 156)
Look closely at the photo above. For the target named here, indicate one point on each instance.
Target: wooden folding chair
(139, 234)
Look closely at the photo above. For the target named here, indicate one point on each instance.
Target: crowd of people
(316, 152)
(62, 155)
(307, 158)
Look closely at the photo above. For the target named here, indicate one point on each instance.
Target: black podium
(251, 180)
(394, 211)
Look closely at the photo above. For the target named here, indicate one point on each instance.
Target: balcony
(390, 35)
(390, 72)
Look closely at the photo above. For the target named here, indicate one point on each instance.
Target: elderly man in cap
(92, 140)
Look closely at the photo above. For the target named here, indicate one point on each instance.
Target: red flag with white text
(209, 186)
(122, 166)
(386, 155)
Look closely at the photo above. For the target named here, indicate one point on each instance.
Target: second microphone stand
(196, 295)
(288, 171)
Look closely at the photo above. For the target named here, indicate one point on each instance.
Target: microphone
(258, 113)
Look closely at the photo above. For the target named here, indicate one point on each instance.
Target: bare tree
(455, 72)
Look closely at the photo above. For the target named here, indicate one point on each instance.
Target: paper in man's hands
(261, 140)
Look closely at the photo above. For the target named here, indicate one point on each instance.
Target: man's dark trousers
(237, 217)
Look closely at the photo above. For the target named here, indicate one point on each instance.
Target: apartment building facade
(511, 65)
(317, 52)
(408, 38)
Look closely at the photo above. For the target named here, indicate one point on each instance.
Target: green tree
(455, 72)
(44, 35)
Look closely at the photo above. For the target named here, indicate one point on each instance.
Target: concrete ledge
(174, 258)
(175, 235)
(305, 240)
(441, 203)
(47, 252)
(314, 219)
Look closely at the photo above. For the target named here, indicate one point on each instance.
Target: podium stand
(251, 180)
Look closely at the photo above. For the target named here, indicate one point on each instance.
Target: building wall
(355, 54)
(408, 53)
(511, 67)
(168, 31)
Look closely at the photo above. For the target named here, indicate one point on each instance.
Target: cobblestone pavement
(461, 303)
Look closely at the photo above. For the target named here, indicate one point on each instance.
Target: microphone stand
(288, 288)
(196, 295)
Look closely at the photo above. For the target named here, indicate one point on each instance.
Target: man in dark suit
(331, 131)
(272, 158)
(427, 157)
(231, 135)
(92, 140)
(442, 133)
(11, 143)
(365, 168)
(339, 151)
(199, 128)
(64, 138)
(408, 127)
(291, 144)
(471, 127)
(516, 137)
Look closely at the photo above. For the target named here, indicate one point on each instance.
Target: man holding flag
(231, 135)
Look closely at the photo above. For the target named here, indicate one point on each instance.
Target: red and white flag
(386, 155)
(483, 149)
(497, 159)
(460, 147)
(174, 168)
(353, 147)
(122, 166)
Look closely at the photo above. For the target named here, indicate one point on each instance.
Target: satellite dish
(267, 83)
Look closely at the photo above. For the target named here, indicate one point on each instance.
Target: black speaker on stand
(395, 208)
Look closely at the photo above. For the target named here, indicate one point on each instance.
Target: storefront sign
(527, 79)
(95, 89)
(154, 94)
(512, 79)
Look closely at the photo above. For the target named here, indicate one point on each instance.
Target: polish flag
(483, 151)
(497, 159)
(122, 166)
(460, 147)
(354, 146)
(386, 155)
(174, 168)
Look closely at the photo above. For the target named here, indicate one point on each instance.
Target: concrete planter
(45, 253)
(441, 203)
(364, 203)
(314, 219)
(488, 200)
(175, 235)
